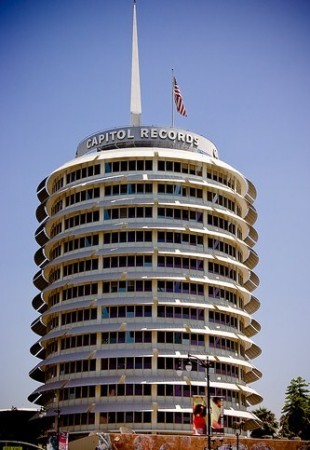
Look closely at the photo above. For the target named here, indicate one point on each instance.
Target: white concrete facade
(146, 254)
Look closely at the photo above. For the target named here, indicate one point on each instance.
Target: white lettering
(94, 141)
(101, 138)
(154, 133)
(144, 133)
(121, 134)
(189, 139)
(172, 135)
(181, 137)
(162, 134)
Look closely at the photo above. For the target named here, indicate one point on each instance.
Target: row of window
(175, 390)
(85, 172)
(141, 363)
(82, 340)
(138, 337)
(224, 319)
(180, 214)
(113, 312)
(77, 392)
(131, 188)
(224, 271)
(80, 315)
(170, 189)
(128, 213)
(224, 294)
(126, 337)
(219, 368)
(221, 200)
(180, 338)
(146, 261)
(178, 312)
(163, 390)
(129, 363)
(128, 311)
(81, 290)
(116, 237)
(82, 266)
(75, 221)
(81, 219)
(145, 165)
(128, 165)
(79, 366)
(82, 242)
(223, 247)
(82, 196)
(145, 212)
(134, 417)
(112, 262)
(144, 285)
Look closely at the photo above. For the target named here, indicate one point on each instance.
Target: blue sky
(244, 69)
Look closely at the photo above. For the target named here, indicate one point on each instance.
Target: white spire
(135, 99)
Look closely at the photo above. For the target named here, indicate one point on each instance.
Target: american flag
(178, 99)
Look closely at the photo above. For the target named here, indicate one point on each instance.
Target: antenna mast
(135, 98)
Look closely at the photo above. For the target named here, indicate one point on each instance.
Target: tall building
(146, 257)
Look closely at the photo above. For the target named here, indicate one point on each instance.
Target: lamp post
(57, 411)
(238, 427)
(43, 413)
(206, 364)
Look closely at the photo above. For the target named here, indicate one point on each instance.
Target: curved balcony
(42, 193)
(39, 281)
(41, 213)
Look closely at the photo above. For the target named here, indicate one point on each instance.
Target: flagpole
(172, 100)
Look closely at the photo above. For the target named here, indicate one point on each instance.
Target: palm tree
(269, 424)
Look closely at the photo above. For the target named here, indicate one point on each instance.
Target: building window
(127, 213)
(84, 172)
(83, 242)
(82, 196)
(80, 291)
(126, 337)
(127, 286)
(177, 262)
(176, 237)
(130, 363)
(178, 312)
(80, 315)
(82, 340)
(128, 189)
(180, 338)
(126, 311)
(128, 166)
(86, 265)
(180, 287)
(127, 261)
(180, 214)
(81, 219)
(175, 166)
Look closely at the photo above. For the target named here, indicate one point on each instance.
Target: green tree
(295, 420)
(269, 424)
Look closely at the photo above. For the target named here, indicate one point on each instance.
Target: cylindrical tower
(146, 255)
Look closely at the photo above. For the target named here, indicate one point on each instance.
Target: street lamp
(238, 426)
(206, 364)
(43, 413)
(57, 411)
